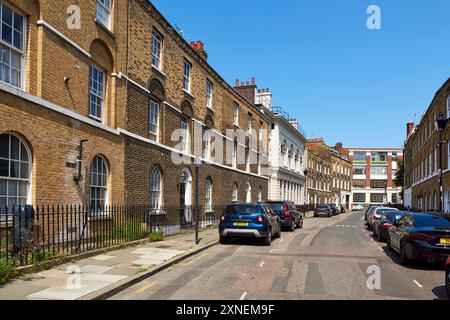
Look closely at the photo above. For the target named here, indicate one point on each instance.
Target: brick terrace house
(329, 174)
(88, 111)
(424, 162)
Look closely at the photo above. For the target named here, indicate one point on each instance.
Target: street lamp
(440, 124)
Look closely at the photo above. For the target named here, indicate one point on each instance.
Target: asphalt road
(327, 259)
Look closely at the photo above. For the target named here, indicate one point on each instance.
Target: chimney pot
(237, 83)
(253, 81)
(409, 129)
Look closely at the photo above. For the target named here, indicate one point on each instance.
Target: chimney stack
(200, 48)
(409, 129)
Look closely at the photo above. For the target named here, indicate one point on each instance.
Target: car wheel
(389, 245)
(300, 224)
(379, 236)
(292, 227)
(278, 234)
(447, 281)
(404, 260)
(223, 240)
(268, 239)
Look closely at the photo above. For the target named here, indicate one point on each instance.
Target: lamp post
(440, 125)
(197, 163)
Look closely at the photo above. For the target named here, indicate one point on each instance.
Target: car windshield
(428, 220)
(277, 206)
(394, 215)
(242, 209)
(322, 207)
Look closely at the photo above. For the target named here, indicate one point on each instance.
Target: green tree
(400, 176)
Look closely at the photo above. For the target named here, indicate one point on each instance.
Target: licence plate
(445, 240)
(240, 224)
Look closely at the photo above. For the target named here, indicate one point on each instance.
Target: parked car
(249, 220)
(358, 207)
(381, 226)
(447, 277)
(368, 211)
(334, 208)
(375, 214)
(421, 236)
(290, 217)
(323, 210)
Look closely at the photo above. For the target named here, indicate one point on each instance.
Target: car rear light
(223, 218)
(374, 217)
(260, 219)
(423, 237)
(387, 225)
(287, 214)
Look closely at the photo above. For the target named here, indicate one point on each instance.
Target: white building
(287, 143)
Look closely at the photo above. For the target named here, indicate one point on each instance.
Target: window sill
(105, 28)
(188, 94)
(96, 118)
(158, 71)
(210, 108)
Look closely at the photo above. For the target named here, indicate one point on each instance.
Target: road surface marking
(243, 296)
(198, 258)
(271, 250)
(261, 264)
(417, 283)
(145, 288)
(281, 240)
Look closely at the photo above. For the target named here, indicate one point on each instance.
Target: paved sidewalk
(96, 276)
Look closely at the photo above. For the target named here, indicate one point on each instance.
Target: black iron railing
(41, 233)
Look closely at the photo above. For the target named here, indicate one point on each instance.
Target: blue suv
(249, 220)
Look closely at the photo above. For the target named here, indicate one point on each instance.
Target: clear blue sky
(342, 81)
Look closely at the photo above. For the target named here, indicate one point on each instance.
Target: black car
(290, 217)
(334, 208)
(421, 236)
(381, 226)
(323, 210)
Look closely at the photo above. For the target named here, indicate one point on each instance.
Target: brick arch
(187, 109)
(156, 88)
(209, 121)
(22, 131)
(101, 55)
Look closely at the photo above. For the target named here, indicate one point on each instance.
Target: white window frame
(13, 49)
(185, 141)
(157, 39)
(236, 114)
(153, 118)
(156, 181)
(98, 95)
(235, 154)
(207, 147)
(187, 69)
(23, 147)
(93, 185)
(107, 10)
(209, 94)
(248, 192)
(209, 196)
(234, 192)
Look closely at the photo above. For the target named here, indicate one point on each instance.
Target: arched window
(154, 120)
(155, 189)
(207, 144)
(248, 192)
(99, 183)
(234, 193)
(15, 171)
(260, 194)
(208, 196)
(235, 153)
(247, 157)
